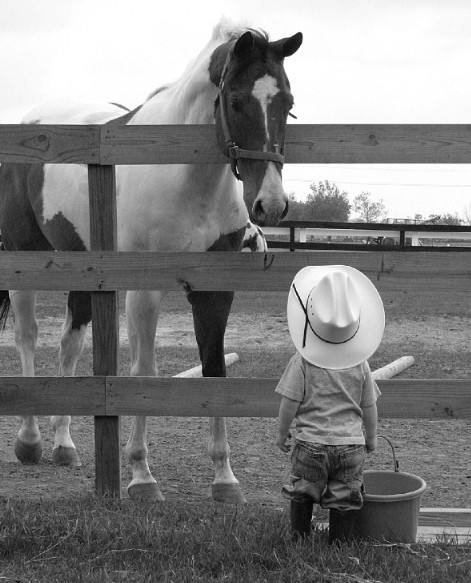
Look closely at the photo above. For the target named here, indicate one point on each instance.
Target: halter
(234, 151)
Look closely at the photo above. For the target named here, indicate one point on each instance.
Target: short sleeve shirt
(330, 401)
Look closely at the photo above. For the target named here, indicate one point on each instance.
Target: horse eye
(236, 104)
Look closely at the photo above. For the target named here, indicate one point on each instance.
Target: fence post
(105, 327)
(292, 235)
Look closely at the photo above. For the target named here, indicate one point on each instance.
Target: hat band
(308, 323)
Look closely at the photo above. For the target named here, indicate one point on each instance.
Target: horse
(236, 83)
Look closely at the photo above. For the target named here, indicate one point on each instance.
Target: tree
(296, 209)
(327, 203)
(369, 211)
(449, 219)
(467, 214)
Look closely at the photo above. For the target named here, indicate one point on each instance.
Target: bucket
(390, 511)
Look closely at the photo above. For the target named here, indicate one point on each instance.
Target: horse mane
(224, 31)
(227, 30)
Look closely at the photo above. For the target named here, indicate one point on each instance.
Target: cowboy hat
(335, 316)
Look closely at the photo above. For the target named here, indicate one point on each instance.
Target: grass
(89, 539)
(84, 538)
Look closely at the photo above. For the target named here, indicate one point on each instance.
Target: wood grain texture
(240, 397)
(105, 328)
(179, 144)
(52, 396)
(378, 144)
(446, 517)
(304, 144)
(50, 143)
(163, 144)
(108, 271)
(192, 397)
(207, 397)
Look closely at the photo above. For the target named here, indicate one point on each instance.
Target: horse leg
(77, 318)
(142, 312)
(28, 445)
(210, 314)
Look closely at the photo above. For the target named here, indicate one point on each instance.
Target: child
(336, 321)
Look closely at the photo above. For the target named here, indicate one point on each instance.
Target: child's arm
(370, 423)
(288, 410)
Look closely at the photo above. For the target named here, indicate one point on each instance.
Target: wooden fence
(104, 271)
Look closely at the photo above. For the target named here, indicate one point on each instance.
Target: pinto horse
(238, 83)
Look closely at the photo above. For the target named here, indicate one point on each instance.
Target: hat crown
(333, 308)
(335, 316)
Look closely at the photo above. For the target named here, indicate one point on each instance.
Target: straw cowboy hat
(335, 316)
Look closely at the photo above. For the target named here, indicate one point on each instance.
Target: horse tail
(4, 301)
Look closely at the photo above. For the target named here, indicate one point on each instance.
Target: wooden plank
(438, 524)
(192, 397)
(425, 399)
(305, 144)
(241, 397)
(52, 396)
(108, 271)
(445, 517)
(105, 328)
(163, 144)
(49, 143)
(378, 144)
(230, 397)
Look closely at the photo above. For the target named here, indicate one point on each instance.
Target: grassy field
(90, 540)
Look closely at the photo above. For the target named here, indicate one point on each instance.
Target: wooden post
(393, 368)
(197, 371)
(105, 332)
(292, 234)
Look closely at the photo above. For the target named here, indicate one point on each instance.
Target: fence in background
(305, 235)
(104, 271)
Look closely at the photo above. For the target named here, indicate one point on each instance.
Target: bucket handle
(395, 462)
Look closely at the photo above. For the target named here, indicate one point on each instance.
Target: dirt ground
(438, 451)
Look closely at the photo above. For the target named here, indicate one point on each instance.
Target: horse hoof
(28, 453)
(147, 492)
(228, 493)
(66, 456)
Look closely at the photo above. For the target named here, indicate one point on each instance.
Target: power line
(395, 184)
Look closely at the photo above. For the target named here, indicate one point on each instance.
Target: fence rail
(110, 270)
(196, 144)
(103, 271)
(211, 397)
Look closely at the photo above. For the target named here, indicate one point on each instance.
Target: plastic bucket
(390, 511)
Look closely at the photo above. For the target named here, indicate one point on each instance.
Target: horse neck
(189, 100)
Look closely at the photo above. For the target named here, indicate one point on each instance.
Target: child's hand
(281, 442)
(371, 444)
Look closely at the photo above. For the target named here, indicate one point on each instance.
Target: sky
(362, 61)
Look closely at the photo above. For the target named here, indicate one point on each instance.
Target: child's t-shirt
(330, 401)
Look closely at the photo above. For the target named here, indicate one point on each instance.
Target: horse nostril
(285, 212)
(258, 209)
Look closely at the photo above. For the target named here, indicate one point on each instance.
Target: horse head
(251, 110)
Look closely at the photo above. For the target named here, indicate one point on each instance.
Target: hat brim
(325, 354)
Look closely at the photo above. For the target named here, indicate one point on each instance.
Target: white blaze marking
(264, 90)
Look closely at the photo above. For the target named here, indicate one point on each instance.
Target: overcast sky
(362, 61)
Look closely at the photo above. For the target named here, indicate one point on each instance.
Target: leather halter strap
(233, 149)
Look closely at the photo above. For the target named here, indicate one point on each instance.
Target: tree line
(326, 202)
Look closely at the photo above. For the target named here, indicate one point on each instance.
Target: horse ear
(244, 45)
(289, 46)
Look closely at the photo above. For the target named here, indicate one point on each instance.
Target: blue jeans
(331, 475)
